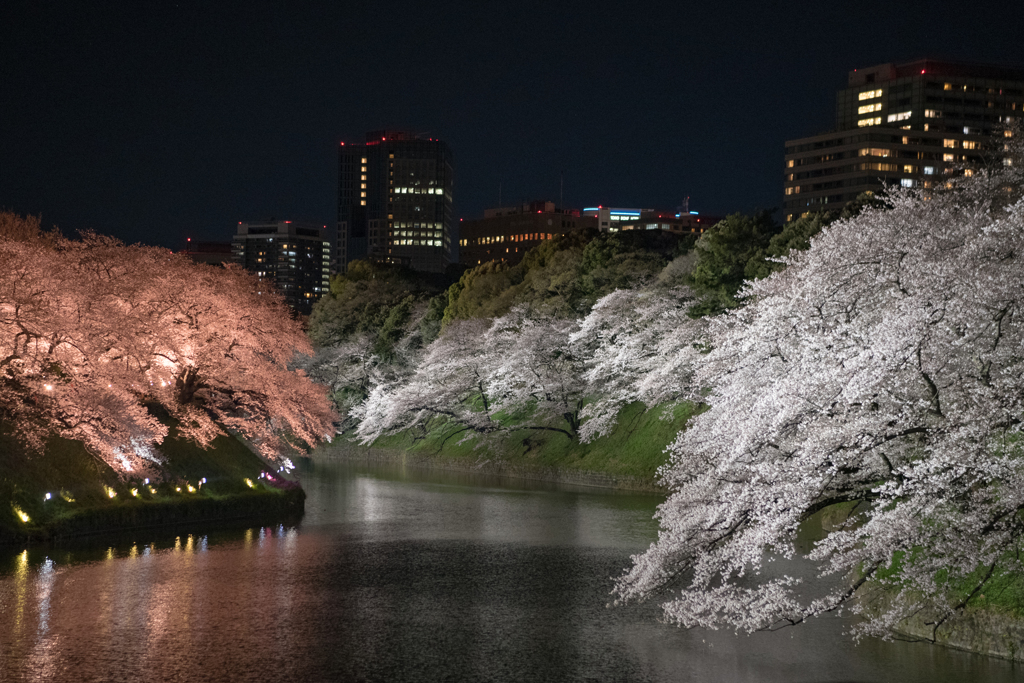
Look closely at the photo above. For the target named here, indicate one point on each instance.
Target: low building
(212, 253)
(505, 234)
(291, 256)
(678, 222)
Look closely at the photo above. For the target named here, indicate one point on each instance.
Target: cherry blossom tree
(514, 372)
(638, 345)
(449, 381)
(94, 334)
(883, 370)
(536, 379)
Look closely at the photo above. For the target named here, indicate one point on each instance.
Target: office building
(681, 221)
(506, 233)
(211, 253)
(290, 256)
(903, 124)
(395, 202)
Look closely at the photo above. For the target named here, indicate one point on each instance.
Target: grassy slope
(635, 449)
(67, 467)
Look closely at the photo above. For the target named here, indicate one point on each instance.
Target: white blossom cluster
(883, 367)
(880, 373)
(524, 371)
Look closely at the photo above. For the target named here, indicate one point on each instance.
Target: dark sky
(153, 121)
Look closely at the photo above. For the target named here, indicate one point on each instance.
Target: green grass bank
(628, 458)
(66, 492)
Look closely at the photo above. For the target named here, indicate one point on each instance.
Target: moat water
(404, 575)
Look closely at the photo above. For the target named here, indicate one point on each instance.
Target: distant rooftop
(890, 71)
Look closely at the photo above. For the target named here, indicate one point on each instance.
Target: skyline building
(505, 234)
(395, 202)
(291, 256)
(902, 124)
(610, 219)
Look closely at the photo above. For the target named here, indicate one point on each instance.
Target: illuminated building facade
(395, 202)
(680, 222)
(507, 233)
(906, 124)
(293, 256)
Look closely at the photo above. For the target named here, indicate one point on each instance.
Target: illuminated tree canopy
(95, 334)
(881, 370)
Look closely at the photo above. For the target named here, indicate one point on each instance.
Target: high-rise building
(291, 256)
(395, 202)
(903, 124)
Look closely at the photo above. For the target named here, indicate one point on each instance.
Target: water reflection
(395, 576)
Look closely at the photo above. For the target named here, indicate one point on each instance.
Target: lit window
(949, 143)
(901, 116)
(908, 169)
(932, 114)
(907, 182)
(362, 202)
(364, 160)
(929, 170)
(947, 86)
(949, 157)
(970, 144)
(362, 186)
(362, 177)
(870, 122)
(868, 108)
(869, 95)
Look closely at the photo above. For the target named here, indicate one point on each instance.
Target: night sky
(153, 121)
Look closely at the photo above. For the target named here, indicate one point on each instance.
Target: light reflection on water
(396, 575)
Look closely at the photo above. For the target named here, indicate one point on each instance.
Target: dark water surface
(398, 575)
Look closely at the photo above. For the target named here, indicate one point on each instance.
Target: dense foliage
(883, 369)
(96, 337)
